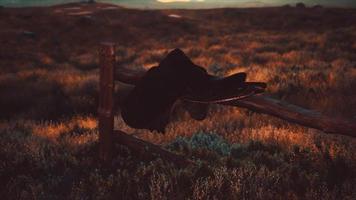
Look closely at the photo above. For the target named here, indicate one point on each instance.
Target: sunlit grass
(49, 98)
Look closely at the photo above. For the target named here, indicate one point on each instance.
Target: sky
(187, 3)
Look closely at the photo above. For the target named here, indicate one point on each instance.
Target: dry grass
(48, 100)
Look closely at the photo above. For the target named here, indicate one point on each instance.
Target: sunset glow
(172, 1)
(194, 4)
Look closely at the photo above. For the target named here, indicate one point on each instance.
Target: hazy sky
(188, 3)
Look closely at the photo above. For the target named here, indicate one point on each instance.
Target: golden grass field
(49, 96)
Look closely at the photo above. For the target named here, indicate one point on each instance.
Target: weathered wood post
(105, 111)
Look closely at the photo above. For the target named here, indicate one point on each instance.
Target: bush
(300, 5)
(201, 140)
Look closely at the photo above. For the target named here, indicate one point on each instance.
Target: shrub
(300, 5)
(201, 140)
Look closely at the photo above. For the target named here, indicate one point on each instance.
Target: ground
(49, 95)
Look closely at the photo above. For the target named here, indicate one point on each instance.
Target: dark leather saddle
(149, 104)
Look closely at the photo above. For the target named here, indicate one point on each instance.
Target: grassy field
(49, 96)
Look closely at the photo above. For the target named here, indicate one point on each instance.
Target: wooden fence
(262, 104)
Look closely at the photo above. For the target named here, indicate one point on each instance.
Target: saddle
(149, 104)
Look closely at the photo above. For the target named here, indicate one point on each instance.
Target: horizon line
(163, 6)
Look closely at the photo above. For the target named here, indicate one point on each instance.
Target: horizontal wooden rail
(148, 150)
(270, 106)
(296, 114)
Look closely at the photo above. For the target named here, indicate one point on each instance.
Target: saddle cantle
(149, 104)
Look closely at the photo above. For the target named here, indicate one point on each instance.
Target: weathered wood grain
(296, 114)
(106, 103)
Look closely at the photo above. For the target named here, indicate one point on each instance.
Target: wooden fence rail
(268, 105)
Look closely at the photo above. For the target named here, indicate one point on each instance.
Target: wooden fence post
(105, 111)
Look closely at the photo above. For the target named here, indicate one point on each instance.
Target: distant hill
(154, 4)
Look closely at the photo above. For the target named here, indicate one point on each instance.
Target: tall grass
(48, 102)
